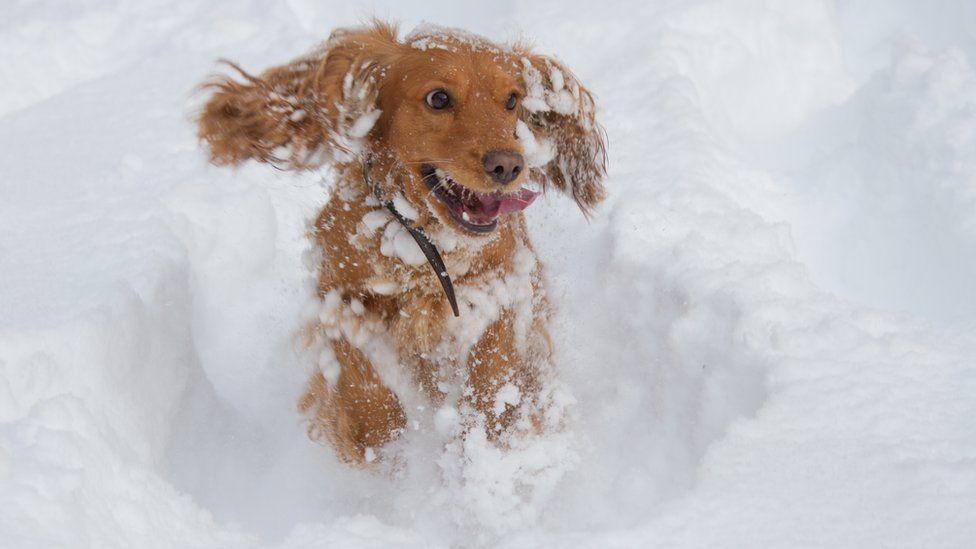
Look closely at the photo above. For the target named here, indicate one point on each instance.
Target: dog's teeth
(465, 216)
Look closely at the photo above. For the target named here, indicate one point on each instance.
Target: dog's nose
(503, 166)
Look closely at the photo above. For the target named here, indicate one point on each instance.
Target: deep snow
(768, 329)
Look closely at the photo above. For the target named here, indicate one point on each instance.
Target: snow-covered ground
(769, 329)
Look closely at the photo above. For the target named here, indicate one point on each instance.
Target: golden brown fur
(384, 318)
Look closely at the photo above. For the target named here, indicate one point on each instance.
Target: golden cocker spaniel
(429, 288)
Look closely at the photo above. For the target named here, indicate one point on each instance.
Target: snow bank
(786, 183)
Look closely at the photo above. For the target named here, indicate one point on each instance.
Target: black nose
(503, 166)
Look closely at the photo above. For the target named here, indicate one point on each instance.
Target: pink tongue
(494, 204)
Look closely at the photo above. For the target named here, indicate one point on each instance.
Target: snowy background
(769, 327)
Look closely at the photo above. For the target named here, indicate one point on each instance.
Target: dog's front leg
(501, 381)
(355, 413)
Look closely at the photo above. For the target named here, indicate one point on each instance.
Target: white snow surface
(766, 334)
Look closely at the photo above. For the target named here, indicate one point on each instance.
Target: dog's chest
(365, 249)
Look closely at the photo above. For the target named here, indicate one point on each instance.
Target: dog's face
(445, 119)
(450, 119)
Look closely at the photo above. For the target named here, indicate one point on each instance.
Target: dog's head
(450, 122)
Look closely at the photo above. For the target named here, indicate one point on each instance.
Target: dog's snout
(503, 166)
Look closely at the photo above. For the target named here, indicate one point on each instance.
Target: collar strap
(426, 246)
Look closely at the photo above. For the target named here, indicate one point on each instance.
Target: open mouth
(475, 211)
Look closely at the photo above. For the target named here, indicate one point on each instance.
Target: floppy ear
(315, 109)
(561, 115)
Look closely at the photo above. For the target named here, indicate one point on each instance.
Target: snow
(397, 242)
(508, 395)
(765, 336)
(536, 153)
(404, 207)
(364, 124)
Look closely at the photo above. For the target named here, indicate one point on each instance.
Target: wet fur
(384, 326)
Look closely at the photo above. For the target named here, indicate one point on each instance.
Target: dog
(430, 295)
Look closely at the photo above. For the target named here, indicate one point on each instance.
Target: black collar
(426, 246)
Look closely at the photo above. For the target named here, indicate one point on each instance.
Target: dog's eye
(511, 102)
(438, 99)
